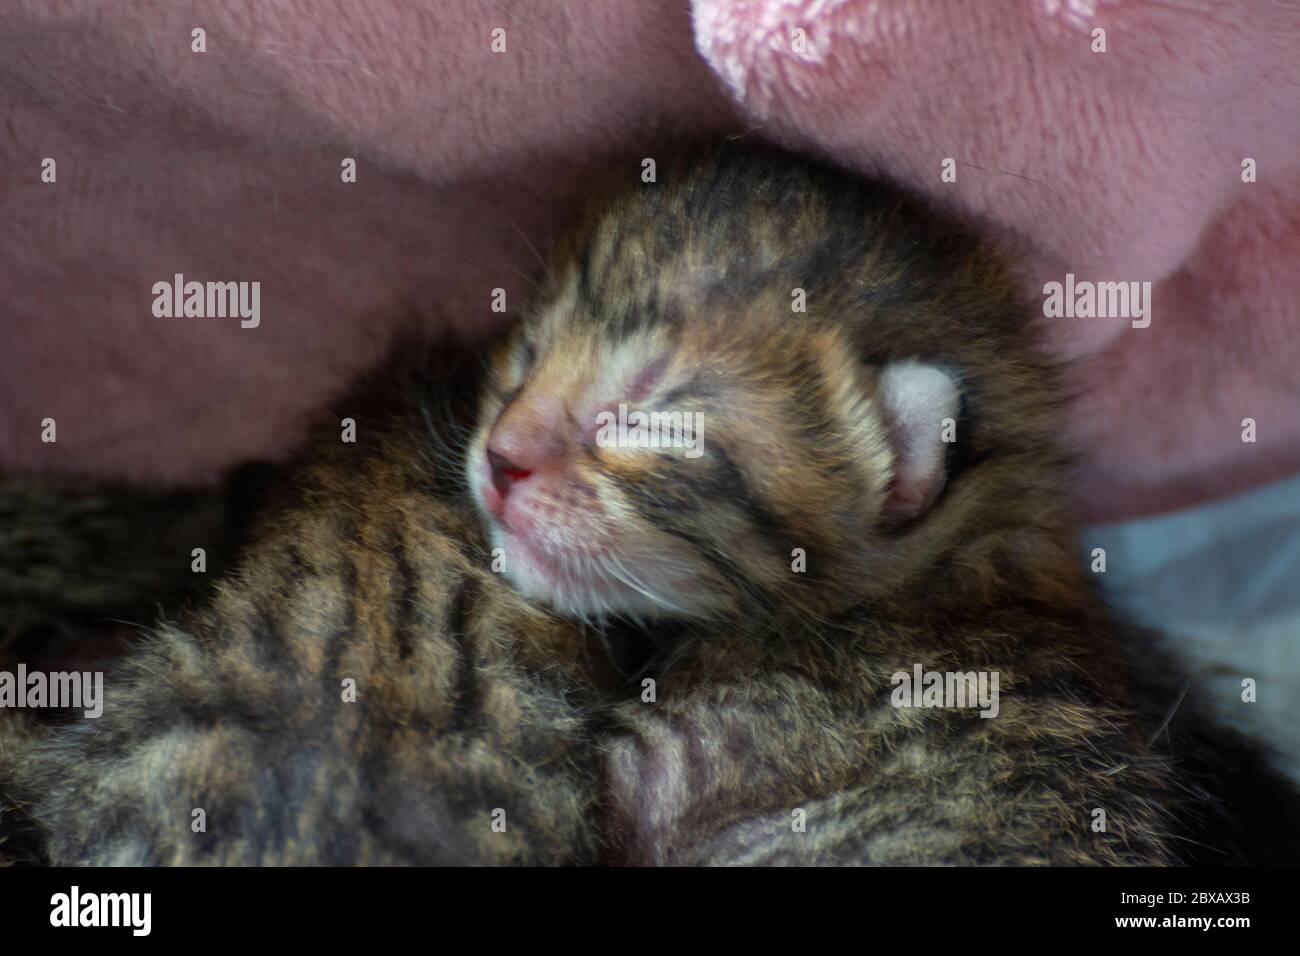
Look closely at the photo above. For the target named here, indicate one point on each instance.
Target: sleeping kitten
(839, 494)
(878, 489)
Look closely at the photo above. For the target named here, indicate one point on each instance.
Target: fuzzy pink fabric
(225, 165)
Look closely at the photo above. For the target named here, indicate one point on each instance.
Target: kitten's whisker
(546, 266)
(616, 567)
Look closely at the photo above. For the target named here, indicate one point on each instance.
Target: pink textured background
(225, 166)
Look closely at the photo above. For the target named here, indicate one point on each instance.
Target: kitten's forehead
(671, 307)
(634, 271)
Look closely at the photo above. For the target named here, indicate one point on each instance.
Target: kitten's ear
(916, 399)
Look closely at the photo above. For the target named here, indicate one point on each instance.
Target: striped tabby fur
(466, 697)
(776, 697)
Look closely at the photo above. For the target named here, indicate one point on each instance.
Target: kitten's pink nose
(526, 439)
(505, 472)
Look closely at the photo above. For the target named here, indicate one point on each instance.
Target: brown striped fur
(775, 696)
(466, 696)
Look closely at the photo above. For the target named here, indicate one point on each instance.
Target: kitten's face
(766, 486)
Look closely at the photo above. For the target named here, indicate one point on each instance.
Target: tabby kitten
(880, 488)
(867, 484)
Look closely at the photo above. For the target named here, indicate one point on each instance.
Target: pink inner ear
(916, 398)
(911, 494)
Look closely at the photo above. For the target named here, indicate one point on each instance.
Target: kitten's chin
(581, 586)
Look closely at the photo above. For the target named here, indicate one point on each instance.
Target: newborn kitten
(877, 486)
(811, 535)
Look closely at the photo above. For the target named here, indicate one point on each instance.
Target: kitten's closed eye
(651, 375)
(527, 356)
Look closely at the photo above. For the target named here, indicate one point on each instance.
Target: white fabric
(1223, 581)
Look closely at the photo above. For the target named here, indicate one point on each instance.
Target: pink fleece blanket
(1125, 165)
